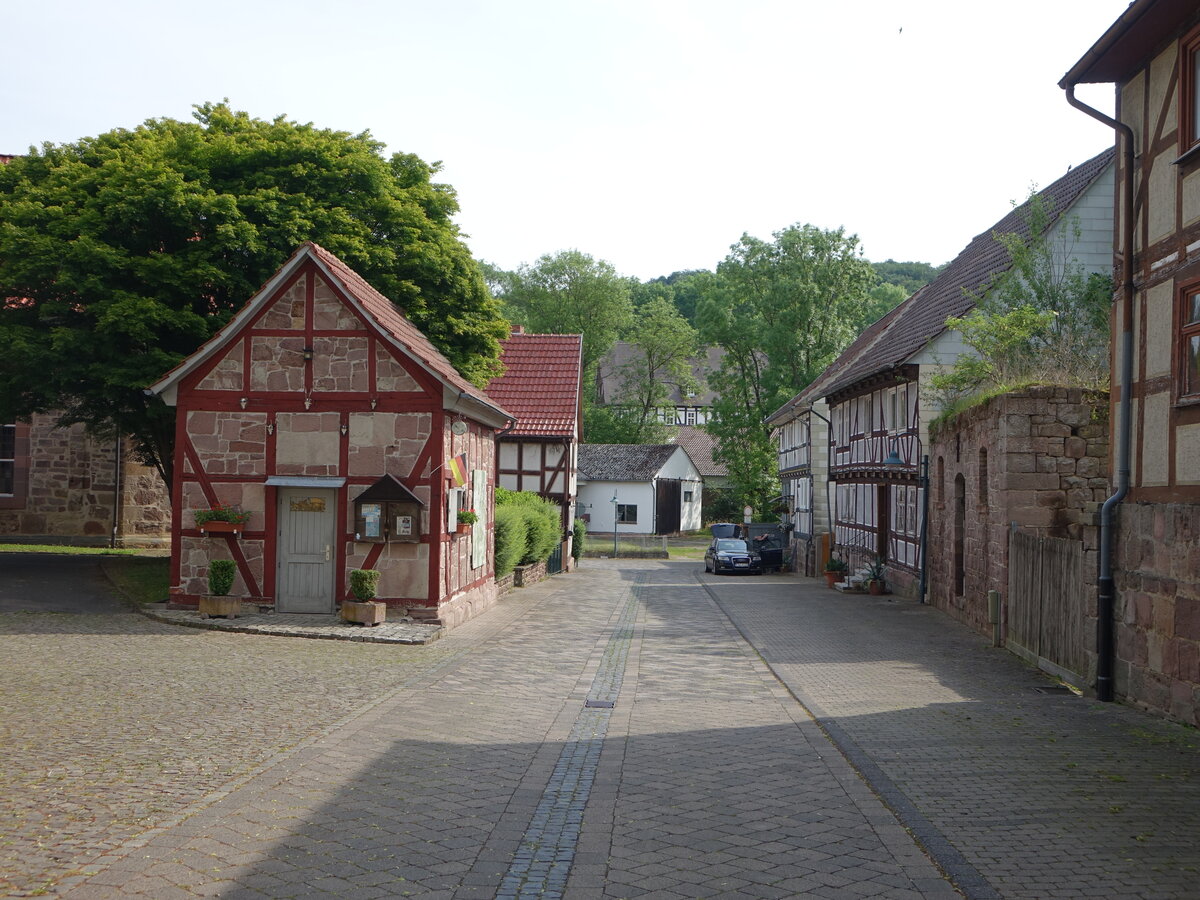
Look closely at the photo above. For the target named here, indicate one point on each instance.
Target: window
(687, 496)
(1189, 342)
(8, 459)
(627, 513)
(1189, 95)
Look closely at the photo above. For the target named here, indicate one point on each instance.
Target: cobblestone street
(609, 733)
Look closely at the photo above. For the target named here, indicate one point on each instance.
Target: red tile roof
(922, 317)
(541, 383)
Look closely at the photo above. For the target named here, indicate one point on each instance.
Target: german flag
(457, 467)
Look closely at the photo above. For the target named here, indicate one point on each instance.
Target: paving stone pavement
(709, 781)
(138, 759)
(1028, 794)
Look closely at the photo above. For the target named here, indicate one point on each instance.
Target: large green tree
(569, 292)
(664, 346)
(121, 254)
(782, 310)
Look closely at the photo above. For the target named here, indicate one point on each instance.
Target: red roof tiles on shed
(541, 383)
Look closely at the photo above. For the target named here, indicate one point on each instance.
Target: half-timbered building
(800, 429)
(879, 406)
(542, 387)
(352, 443)
(1151, 521)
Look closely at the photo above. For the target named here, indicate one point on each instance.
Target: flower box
(216, 526)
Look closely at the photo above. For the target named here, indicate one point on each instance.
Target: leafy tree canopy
(782, 310)
(124, 252)
(908, 275)
(664, 347)
(569, 292)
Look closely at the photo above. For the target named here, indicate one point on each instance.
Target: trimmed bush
(220, 576)
(364, 584)
(510, 538)
(579, 537)
(540, 531)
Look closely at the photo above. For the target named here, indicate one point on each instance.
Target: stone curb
(394, 633)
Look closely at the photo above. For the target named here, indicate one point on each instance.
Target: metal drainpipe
(1106, 592)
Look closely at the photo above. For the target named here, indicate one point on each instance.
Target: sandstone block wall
(67, 495)
(1158, 607)
(1037, 458)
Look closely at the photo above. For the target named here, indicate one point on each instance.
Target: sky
(648, 133)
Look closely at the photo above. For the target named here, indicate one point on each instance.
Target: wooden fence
(1046, 603)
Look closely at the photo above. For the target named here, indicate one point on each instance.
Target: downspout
(1106, 593)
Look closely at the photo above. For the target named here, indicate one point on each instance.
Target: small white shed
(639, 488)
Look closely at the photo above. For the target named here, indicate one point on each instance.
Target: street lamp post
(614, 503)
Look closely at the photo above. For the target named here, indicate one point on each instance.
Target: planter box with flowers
(221, 519)
(466, 518)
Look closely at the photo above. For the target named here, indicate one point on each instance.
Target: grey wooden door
(305, 550)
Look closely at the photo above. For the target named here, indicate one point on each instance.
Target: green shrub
(543, 534)
(220, 576)
(540, 529)
(510, 538)
(364, 584)
(579, 537)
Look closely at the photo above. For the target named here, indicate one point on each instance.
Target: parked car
(731, 555)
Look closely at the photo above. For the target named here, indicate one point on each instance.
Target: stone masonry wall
(68, 497)
(1158, 607)
(1037, 458)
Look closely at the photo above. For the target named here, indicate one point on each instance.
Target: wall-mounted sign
(308, 504)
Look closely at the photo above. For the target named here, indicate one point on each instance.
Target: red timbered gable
(542, 387)
(316, 391)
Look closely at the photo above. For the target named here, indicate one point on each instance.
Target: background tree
(782, 311)
(663, 348)
(570, 292)
(908, 275)
(124, 252)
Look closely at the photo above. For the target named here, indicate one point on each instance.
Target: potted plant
(221, 518)
(364, 608)
(877, 575)
(466, 518)
(835, 570)
(220, 580)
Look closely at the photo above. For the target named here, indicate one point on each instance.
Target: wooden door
(305, 550)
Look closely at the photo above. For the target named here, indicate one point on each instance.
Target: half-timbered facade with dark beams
(1151, 55)
(879, 405)
(326, 415)
(542, 387)
(801, 432)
